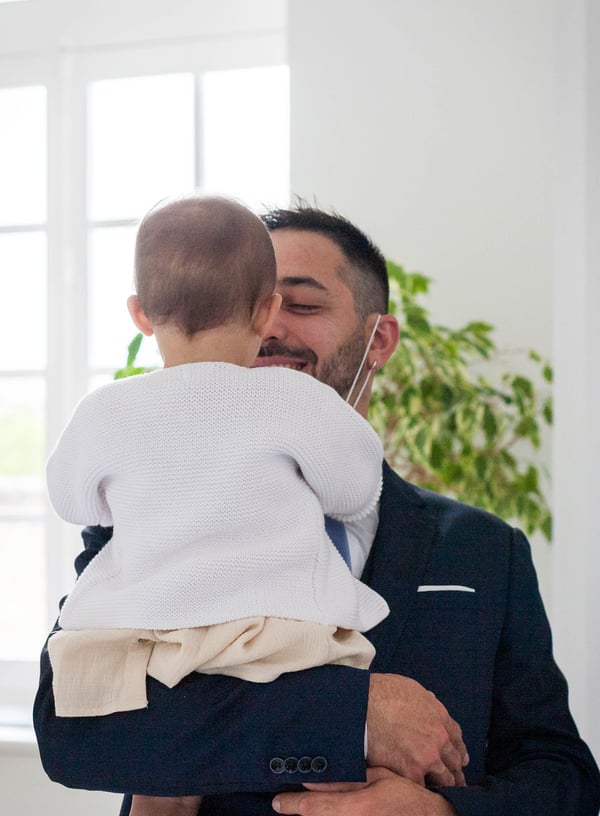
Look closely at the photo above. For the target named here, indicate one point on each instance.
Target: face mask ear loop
(362, 362)
(364, 385)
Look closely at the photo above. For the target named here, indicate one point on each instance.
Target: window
(82, 157)
(220, 132)
(22, 367)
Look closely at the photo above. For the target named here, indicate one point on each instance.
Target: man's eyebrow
(305, 280)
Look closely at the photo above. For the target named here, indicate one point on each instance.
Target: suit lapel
(398, 559)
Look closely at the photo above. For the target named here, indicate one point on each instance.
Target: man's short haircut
(366, 273)
(202, 262)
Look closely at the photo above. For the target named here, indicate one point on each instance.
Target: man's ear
(138, 315)
(265, 313)
(385, 339)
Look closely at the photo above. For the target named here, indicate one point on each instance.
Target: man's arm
(213, 735)
(202, 736)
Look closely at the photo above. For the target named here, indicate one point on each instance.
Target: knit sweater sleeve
(338, 452)
(75, 468)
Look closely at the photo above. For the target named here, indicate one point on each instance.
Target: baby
(216, 477)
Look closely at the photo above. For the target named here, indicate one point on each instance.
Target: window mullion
(67, 376)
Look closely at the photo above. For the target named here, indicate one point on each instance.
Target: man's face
(317, 329)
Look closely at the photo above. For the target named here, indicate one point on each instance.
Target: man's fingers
(373, 775)
(290, 803)
(376, 773)
(385, 794)
(442, 776)
(455, 734)
(313, 803)
(454, 761)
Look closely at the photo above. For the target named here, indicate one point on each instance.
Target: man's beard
(340, 369)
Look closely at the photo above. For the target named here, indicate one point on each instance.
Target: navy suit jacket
(486, 654)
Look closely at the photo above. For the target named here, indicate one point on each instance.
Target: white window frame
(66, 75)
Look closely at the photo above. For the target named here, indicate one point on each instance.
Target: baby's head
(202, 262)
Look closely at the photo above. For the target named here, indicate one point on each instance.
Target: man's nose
(279, 328)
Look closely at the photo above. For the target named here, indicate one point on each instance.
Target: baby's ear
(265, 314)
(138, 315)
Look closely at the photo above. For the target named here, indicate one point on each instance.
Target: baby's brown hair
(202, 262)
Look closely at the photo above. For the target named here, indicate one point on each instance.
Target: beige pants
(101, 671)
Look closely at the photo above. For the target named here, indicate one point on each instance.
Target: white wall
(430, 124)
(25, 790)
(577, 348)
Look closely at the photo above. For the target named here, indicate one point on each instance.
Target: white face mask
(362, 365)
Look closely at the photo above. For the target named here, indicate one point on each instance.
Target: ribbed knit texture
(216, 478)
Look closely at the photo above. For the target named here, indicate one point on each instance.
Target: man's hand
(384, 794)
(410, 732)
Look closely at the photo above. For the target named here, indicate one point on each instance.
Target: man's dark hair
(366, 274)
(202, 262)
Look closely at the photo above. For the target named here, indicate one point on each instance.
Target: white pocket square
(444, 588)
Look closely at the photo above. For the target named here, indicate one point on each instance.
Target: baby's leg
(165, 805)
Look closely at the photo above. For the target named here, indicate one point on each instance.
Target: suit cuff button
(319, 764)
(304, 764)
(277, 765)
(291, 765)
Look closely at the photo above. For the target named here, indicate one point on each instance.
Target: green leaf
(530, 479)
(481, 465)
(546, 526)
(417, 322)
(421, 440)
(129, 371)
(133, 349)
(419, 284)
(478, 327)
(452, 472)
(522, 386)
(436, 456)
(490, 425)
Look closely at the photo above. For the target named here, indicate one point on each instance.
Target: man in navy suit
(467, 625)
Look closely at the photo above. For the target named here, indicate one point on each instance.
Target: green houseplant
(447, 426)
(444, 424)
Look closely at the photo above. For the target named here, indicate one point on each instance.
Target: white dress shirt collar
(361, 535)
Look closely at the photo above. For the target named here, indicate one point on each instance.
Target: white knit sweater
(216, 478)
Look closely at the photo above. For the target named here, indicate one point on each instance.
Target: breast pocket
(450, 616)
